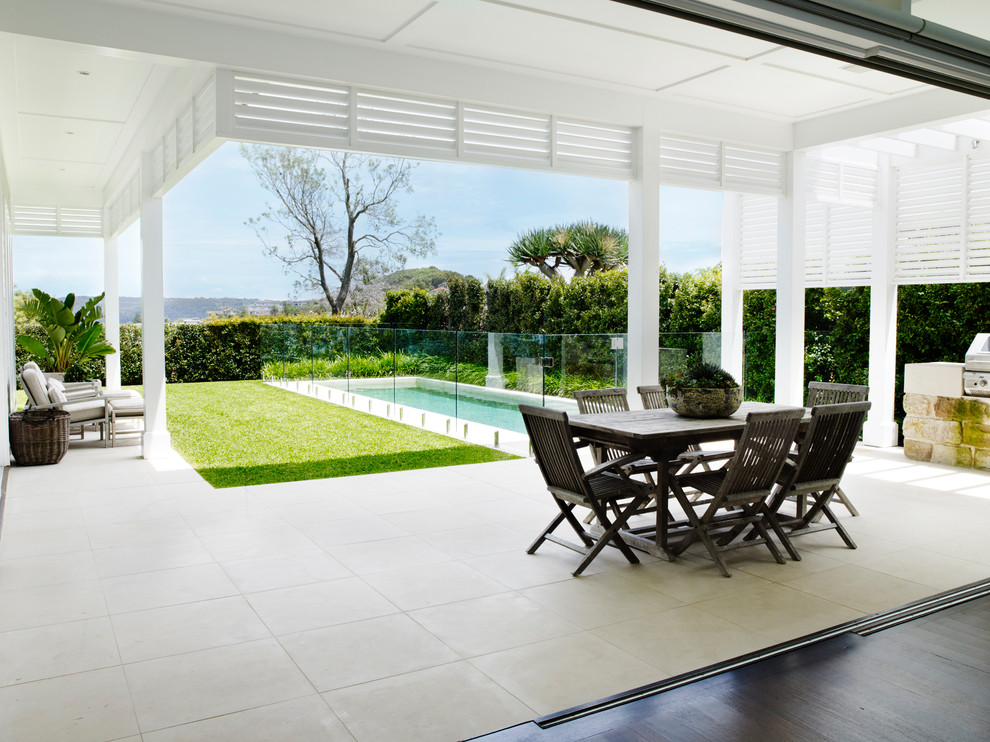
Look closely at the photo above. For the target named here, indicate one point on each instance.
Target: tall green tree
(337, 217)
(584, 247)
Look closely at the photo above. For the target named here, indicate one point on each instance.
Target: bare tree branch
(333, 206)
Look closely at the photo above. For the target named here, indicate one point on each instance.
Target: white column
(789, 366)
(156, 437)
(644, 264)
(111, 309)
(732, 295)
(880, 429)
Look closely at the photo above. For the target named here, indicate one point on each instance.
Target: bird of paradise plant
(70, 337)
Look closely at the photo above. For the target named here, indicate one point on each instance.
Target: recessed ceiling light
(84, 73)
(70, 132)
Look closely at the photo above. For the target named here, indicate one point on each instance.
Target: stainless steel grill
(976, 370)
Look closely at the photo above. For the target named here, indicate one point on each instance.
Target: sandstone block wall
(947, 430)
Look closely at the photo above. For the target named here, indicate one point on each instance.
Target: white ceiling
(62, 128)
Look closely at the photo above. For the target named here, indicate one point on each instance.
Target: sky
(479, 211)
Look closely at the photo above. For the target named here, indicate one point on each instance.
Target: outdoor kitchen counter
(941, 424)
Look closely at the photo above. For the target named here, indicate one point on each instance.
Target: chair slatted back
(594, 401)
(654, 396)
(760, 453)
(829, 442)
(553, 445)
(821, 392)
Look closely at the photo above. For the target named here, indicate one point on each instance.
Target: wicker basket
(39, 436)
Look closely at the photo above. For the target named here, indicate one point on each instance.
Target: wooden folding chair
(825, 451)
(822, 393)
(739, 491)
(601, 488)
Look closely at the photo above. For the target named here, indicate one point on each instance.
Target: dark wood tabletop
(662, 433)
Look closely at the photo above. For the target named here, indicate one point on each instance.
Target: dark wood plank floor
(925, 680)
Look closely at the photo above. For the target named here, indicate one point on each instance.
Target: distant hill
(417, 278)
(184, 307)
(200, 307)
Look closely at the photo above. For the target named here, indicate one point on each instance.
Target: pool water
(468, 407)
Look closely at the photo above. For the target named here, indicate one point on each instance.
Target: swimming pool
(495, 407)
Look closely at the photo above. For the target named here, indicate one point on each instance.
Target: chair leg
(611, 534)
(566, 513)
(780, 534)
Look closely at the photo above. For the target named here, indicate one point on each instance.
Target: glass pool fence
(475, 377)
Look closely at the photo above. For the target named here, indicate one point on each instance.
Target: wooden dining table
(662, 435)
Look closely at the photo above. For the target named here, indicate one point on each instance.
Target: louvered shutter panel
(55, 221)
(929, 208)
(594, 149)
(690, 162)
(404, 124)
(757, 242)
(752, 170)
(978, 219)
(815, 243)
(272, 106)
(506, 137)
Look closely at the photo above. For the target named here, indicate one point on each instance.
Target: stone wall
(947, 430)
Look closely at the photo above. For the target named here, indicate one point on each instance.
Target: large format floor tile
(400, 606)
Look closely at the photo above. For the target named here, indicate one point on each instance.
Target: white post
(789, 362)
(644, 263)
(156, 442)
(111, 309)
(880, 429)
(495, 379)
(732, 295)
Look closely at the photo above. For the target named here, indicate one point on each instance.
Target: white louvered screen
(204, 110)
(978, 219)
(35, 219)
(711, 164)
(757, 242)
(184, 144)
(838, 245)
(690, 162)
(343, 117)
(930, 204)
(584, 147)
(124, 207)
(841, 182)
(815, 243)
(56, 220)
(506, 137)
(752, 170)
(405, 125)
(267, 105)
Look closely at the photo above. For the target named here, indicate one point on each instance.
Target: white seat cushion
(89, 409)
(35, 385)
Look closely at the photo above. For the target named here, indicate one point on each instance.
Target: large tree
(338, 210)
(584, 247)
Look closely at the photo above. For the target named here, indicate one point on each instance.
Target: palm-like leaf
(71, 336)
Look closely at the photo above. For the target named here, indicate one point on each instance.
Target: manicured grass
(238, 433)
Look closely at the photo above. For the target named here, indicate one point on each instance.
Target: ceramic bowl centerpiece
(703, 390)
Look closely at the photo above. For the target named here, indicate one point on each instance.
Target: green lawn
(238, 433)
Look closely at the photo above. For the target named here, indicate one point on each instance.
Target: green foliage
(595, 304)
(467, 303)
(585, 247)
(68, 337)
(701, 375)
(407, 308)
(418, 278)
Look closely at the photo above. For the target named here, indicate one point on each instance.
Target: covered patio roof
(104, 105)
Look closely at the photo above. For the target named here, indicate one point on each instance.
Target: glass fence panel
(272, 351)
(824, 362)
(584, 362)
